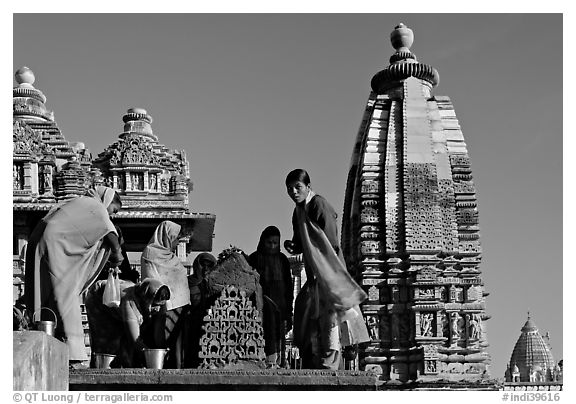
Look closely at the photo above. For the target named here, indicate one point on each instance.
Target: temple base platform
(264, 379)
(203, 379)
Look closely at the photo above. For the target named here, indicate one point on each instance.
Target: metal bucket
(155, 358)
(45, 325)
(103, 360)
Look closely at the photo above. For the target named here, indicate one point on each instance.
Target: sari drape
(332, 297)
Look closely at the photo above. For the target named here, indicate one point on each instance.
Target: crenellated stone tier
(410, 230)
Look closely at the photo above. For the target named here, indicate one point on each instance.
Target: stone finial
(403, 63)
(137, 111)
(402, 38)
(25, 75)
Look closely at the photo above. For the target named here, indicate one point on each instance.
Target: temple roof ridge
(403, 63)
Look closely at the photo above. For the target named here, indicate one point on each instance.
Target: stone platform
(200, 379)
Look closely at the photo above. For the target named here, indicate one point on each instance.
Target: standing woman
(276, 281)
(330, 296)
(159, 262)
(65, 254)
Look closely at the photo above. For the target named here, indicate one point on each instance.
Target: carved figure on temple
(426, 324)
(152, 182)
(430, 366)
(160, 262)
(200, 301)
(127, 330)
(276, 281)
(121, 181)
(164, 185)
(16, 178)
(135, 181)
(66, 251)
(330, 297)
(373, 327)
(454, 327)
(47, 179)
(475, 326)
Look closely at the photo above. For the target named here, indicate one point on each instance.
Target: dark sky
(250, 97)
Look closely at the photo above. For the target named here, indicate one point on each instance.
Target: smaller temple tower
(532, 361)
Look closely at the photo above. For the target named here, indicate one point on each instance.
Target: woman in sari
(276, 281)
(330, 297)
(159, 262)
(124, 331)
(65, 254)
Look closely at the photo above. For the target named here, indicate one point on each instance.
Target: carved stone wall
(233, 332)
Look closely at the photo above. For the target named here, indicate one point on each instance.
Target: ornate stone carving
(370, 187)
(232, 331)
(425, 293)
(369, 215)
(137, 181)
(46, 179)
(373, 327)
(454, 328)
(373, 293)
(132, 150)
(27, 141)
(370, 247)
(17, 176)
(475, 326)
(426, 324)
(430, 366)
(430, 350)
(152, 181)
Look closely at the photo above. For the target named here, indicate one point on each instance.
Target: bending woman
(65, 254)
(159, 262)
(330, 296)
(124, 331)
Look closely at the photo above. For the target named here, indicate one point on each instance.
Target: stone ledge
(200, 379)
(40, 362)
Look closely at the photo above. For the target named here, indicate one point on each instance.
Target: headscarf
(269, 231)
(147, 290)
(138, 300)
(165, 234)
(104, 194)
(196, 269)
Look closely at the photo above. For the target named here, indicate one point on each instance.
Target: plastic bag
(111, 296)
(352, 327)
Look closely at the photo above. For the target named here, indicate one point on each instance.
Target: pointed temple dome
(410, 231)
(532, 352)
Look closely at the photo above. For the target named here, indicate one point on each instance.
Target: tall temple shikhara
(410, 229)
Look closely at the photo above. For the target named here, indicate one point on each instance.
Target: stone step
(201, 379)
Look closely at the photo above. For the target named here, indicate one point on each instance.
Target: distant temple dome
(532, 353)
